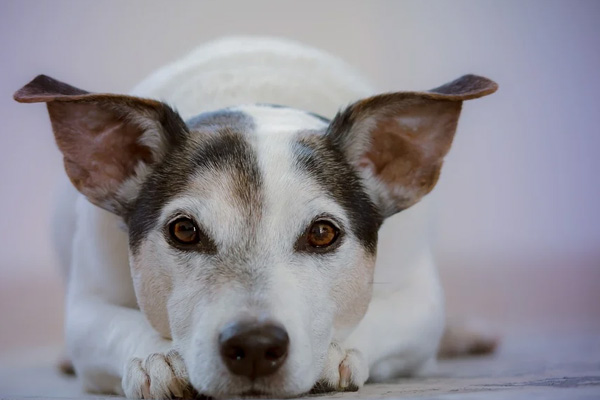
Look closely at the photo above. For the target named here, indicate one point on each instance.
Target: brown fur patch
(411, 159)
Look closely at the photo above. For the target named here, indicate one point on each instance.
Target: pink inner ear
(408, 147)
(100, 150)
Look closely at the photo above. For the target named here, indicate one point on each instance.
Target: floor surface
(532, 366)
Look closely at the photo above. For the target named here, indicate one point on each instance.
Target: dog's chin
(259, 394)
(251, 394)
(252, 390)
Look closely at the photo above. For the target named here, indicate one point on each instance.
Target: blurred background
(518, 225)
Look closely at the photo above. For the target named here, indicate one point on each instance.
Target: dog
(228, 248)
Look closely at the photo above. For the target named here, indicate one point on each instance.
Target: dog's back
(247, 70)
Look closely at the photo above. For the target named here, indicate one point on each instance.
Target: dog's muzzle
(253, 349)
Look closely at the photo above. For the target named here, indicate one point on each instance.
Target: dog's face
(253, 229)
(253, 218)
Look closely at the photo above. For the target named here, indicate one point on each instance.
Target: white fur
(109, 338)
(246, 70)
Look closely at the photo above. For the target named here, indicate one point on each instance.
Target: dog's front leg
(114, 349)
(401, 330)
(399, 334)
(112, 345)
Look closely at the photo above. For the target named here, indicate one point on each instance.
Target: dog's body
(147, 318)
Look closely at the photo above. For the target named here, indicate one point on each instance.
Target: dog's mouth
(248, 394)
(253, 393)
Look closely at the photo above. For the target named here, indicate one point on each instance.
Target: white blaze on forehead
(290, 197)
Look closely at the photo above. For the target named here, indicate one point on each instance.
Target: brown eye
(322, 234)
(183, 230)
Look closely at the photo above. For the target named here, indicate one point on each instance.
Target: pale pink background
(518, 227)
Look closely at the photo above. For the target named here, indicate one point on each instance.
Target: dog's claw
(159, 376)
(345, 376)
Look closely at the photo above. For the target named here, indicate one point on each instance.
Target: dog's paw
(65, 366)
(159, 376)
(463, 338)
(346, 370)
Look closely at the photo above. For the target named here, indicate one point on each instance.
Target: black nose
(253, 349)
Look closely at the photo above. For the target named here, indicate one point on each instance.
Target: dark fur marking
(216, 143)
(231, 151)
(317, 156)
(312, 114)
(317, 116)
(234, 119)
(271, 105)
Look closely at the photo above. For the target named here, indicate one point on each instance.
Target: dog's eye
(322, 233)
(184, 231)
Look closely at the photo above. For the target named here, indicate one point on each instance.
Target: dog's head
(253, 230)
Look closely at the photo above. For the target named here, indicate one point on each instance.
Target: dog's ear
(398, 140)
(109, 142)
